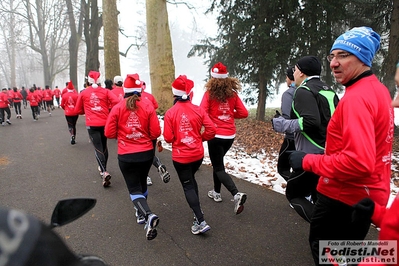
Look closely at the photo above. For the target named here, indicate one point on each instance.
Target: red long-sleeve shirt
(95, 104)
(182, 128)
(223, 114)
(357, 159)
(134, 130)
(3, 100)
(68, 102)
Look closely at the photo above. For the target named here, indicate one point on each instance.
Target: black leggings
(217, 149)
(99, 141)
(71, 121)
(186, 173)
(283, 165)
(332, 220)
(17, 106)
(156, 161)
(299, 186)
(35, 111)
(135, 175)
(2, 113)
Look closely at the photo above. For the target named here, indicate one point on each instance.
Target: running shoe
(215, 196)
(165, 176)
(139, 217)
(200, 228)
(151, 226)
(149, 181)
(73, 140)
(239, 200)
(8, 121)
(106, 178)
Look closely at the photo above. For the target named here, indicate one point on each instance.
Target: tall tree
(162, 67)
(111, 39)
(92, 27)
(75, 38)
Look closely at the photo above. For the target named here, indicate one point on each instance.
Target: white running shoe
(139, 218)
(149, 182)
(239, 200)
(215, 196)
(165, 176)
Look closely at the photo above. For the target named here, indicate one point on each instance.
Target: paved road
(39, 166)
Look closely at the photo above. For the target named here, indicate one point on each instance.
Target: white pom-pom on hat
(182, 86)
(132, 83)
(94, 78)
(219, 71)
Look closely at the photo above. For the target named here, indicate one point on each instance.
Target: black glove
(277, 114)
(362, 211)
(295, 159)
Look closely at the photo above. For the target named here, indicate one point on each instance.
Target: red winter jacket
(3, 100)
(134, 130)
(357, 159)
(47, 95)
(95, 104)
(182, 128)
(17, 97)
(33, 99)
(223, 114)
(68, 102)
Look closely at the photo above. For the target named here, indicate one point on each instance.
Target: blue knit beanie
(363, 42)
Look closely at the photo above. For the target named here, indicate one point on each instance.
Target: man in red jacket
(95, 102)
(4, 107)
(357, 159)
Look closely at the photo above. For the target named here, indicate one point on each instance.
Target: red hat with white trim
(94, 78)
(182, 86)
(70, 86)
(219, 71)
(132, 83)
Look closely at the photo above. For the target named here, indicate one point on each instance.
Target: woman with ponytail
(135, 124)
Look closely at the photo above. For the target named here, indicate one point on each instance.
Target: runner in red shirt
(33, 100)
(17, 98)
(68, 103)
(95, 102)
(57, 95)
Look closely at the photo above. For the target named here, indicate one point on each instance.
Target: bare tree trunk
(12, 46)
(392, 57)
(261, 109)
(111, 40)
(162, 67)
(92, 26)
(74, 40)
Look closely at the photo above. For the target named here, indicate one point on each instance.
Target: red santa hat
(219, 71)
(94, 78)
(182, 86)
(70, 86)
(132, 83)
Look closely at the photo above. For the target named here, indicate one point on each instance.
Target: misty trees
(162, 68)
(47, 30)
